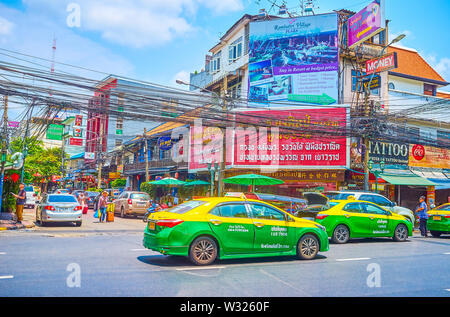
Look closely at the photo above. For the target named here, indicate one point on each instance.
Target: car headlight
(321, 227)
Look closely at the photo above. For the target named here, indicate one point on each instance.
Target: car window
(443, 207)
(231, 211)
(187, 206)
(372, 209)
(61, 199)
(342, 196)
(379, 200)
(140, 196)
(266, 212)
(354, 207)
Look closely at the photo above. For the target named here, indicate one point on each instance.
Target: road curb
(14, 226)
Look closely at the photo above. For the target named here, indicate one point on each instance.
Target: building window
(119, 123)
(443, 138)
(118, 142)
(391, 86)
(215, 62)
(235, 50)
(429, 90)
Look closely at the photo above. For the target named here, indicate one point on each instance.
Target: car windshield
(187, 206)
(140, 196)
(444, 207)
(340, 196)
(61, 199)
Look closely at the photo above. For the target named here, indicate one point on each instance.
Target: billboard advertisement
(308, 138)
(366, 23)
(294, 60)
(429, 157)
(205, 147)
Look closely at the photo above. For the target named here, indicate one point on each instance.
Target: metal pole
(147, 176)
(99, 156)
(4, 150)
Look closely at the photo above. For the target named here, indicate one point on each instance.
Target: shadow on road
(181, 261)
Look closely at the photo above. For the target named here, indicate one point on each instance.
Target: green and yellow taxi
(439, 220)
(347, 219)
(207, 229)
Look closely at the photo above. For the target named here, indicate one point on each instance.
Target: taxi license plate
(143, 203)
(151, 225)
(436, 217)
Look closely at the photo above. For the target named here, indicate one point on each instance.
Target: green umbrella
(253, 179)
(196, 182)
(168, 181)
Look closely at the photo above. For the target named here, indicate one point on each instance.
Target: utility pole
(25, 145)
(4, 148)
(99, 156)
(147, 176)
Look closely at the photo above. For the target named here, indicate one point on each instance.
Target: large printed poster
(294, 60)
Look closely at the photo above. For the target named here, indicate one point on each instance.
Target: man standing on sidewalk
(423, 216)
(20, 201)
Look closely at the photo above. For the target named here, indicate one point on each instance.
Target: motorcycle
(150, 210)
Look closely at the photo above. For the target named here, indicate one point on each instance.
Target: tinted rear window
(140, 196)
(61, 199)
(187, 206)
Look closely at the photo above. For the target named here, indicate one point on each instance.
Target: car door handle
(372, 218)
(347, 215)
(259, 224)
(216, 222)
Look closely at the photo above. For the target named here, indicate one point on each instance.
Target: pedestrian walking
(102, 205)
(82, 202)
(423, 216)
(20, 202)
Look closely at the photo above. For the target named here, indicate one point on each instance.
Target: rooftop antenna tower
(52, 68)
(307, 7)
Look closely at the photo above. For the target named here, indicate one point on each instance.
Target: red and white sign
(386, 62)
(77, 142)
(418, 152)
(308, 138)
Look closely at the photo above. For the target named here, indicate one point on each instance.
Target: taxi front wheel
(401, 233)
(203, 251)
(307, 247)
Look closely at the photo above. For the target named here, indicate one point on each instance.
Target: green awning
(411, 180)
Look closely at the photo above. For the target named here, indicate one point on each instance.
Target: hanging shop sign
(76, 142)
(89, 155)
(389, 152)
(114, 175)
(375, 82)
(13, 124)
(78, 120)
(307, 138)
(428, 156)
(366, 23)
(77, 133)
(205, 147)
(55, 132)
(300, 176)
(165, 143)
(385, 63)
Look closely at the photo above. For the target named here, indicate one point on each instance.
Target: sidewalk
(7, 222)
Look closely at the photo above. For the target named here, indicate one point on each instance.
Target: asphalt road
(111, 261)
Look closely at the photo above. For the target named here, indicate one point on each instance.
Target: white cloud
(5, 26)
(181, 75)
(138, 23)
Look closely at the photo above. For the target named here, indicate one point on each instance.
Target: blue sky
(161, 40)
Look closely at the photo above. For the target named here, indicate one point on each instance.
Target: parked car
(306, 207)
(373, 198)
(132, 203)
(352, 218)
(30, 199)
(91, 198)
(61, 191)
(439, 220)
(58, 208)
(77, 192)
(228, 228)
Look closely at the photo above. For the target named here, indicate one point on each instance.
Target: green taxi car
(349, 219)
(439, 220)
(229, 228)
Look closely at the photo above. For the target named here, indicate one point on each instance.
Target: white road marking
(352, 259)
(200, 268)
(6, 276)
(138, 249)
(2, 253)
(447, 253)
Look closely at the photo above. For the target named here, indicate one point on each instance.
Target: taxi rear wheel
(341, 234)
(400, 233)
(436, 234)
(203, 251)
(307, 247)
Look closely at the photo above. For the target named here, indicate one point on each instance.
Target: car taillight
(49, 208)
(34, 195)
(320, 217)
(130, 202)
(170, 223)
(447, 216)
(78, 208)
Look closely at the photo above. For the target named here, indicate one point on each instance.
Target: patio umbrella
(253, 179)
(168, 181)
(196, 182)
